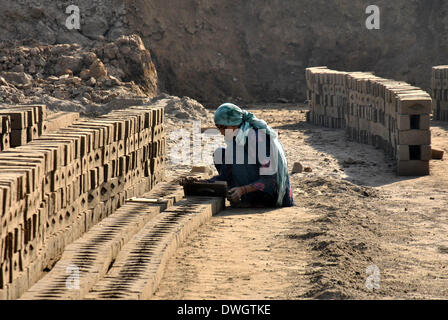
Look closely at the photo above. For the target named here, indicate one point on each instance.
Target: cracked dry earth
(351, 212)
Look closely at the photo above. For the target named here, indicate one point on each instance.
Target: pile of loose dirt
(73, 78)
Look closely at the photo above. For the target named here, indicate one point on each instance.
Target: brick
(413, 168)
(414, 137)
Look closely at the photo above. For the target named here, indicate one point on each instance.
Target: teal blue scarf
(231, 115)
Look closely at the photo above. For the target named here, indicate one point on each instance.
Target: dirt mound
(73, 78)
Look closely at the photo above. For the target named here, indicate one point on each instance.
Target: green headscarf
(231, 115)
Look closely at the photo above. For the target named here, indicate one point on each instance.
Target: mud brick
(86, 139)
(32, 159)
(97, 213)
(33, 201)
(83, 202)
(85, 167)
(157, 132)
(29, 112)
(121, 166)
(93, 198)
(4, 276)
(76, 185)
(18, 137)
(61, 200)
(146, 136)
(113, 151)
(16, 183)
(406, 153)
(109, 189)
(93, 179)
(119, 124)
(34, 152)
(137, 141)
(5, 123)
(42, 128)
(27, 179)
(120, 148)
(95, 158)
(113, 166)
(77, 167)
(19, 119)
(56, 152)
(414, 137)
(85, 182)
(40, 111)
(113, 126)
(32, 133)
(106, 131)
(124, 125)
(127, 164)
(92, 141)
(61, 120)
(137, 119)
(408, 122)
(128, 145)
(69, 195)
(75, 141)
(413, 168)
(99, 132)
(4, 142)
(18, 286)
(105, 154)
(414, 105)
(67, 146)
(108, 207)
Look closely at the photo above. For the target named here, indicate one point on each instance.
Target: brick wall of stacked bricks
(21, 124)
(387, 114)
(56, 186)
(439, 88)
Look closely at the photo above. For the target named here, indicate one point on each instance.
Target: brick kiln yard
(352, 212)
(110, 224)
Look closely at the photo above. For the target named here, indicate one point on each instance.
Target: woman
(253, 164)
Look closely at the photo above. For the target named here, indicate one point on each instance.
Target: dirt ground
(352, 215)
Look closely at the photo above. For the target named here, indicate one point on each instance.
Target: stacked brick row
(439, 88)
(54, 188)
(387, 114)
(21, 124)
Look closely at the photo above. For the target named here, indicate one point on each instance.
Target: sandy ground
(357, 231)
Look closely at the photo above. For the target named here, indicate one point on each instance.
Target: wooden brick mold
(387, 114)
(56, 185)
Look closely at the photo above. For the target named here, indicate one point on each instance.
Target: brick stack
(387, 114)
(439, 88)
(26, 123)
(56, 187)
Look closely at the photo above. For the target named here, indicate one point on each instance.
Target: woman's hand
(235, 194)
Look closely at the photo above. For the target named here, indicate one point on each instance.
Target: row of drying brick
(439, 88)
(90, 257)
(73, 176)
(20, 124)
(387, 114)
